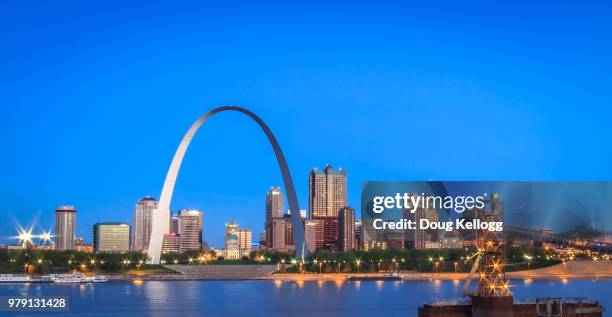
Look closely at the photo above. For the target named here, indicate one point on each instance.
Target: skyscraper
(190, 229)
(326, 196)
(274, 209)
(358, 234)
(282, 238)
(141, 232)
(326, 192)
(421, 236)
(310, 233)
(346, 229)
(174, 224)
(111, 237)
(65, 227)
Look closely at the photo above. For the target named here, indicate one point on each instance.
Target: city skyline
(93, 109)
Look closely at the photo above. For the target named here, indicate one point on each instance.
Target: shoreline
(576, 270)
(565, 271)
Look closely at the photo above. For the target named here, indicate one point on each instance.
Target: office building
(358, 234)
(282, 238)
(275, 205)
(190, 229)
(65, 227)
(141, 232)
(346, 229)
(171, 243)
(245, 240)
(326, 196)
(174, 221)
(326, 192)
(424, 236)
(310, 234)
(111, 237)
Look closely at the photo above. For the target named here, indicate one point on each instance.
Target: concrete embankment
(224, 272)
(571, 269)
(568, 270)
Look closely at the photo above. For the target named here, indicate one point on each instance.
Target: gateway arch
(161, 215)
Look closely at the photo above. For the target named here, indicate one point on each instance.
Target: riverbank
(568, 270)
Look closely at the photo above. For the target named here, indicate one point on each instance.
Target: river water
(271, 298)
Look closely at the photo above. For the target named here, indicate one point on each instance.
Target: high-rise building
(245, 240)
(111, 237)
(326, 192)
(358, 234)
(143, 216)
(326, 196)
(346, 229)
(282, 238)
(275, 204)
(422, 236)
(65, 227)
(288, 230)
(171, 243)
(190, 229)
(174, 224)
(310, 234)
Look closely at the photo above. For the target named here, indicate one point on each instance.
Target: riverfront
(564, 271)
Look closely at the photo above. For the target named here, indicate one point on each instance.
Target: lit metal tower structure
(490, 244)
(493, 296)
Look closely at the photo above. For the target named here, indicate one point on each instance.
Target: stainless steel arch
(161, 215)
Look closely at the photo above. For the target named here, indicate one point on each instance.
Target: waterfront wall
(225, 272)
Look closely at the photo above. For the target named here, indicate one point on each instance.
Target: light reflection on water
(267, 298)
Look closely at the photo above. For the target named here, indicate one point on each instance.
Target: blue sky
(96, 97)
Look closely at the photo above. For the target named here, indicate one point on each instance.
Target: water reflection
(266, 298)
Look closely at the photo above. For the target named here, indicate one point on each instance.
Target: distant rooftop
(148, 198)
(66, 208)
(329, 169)
(111, 223)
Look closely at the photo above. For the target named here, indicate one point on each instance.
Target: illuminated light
(39, 261)
(138, 282)
(45, 236)
(293, 261)
(25, 236)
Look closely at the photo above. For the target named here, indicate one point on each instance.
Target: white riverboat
(70, 278)
(99, 279)
(79, 278)
(14, 278)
